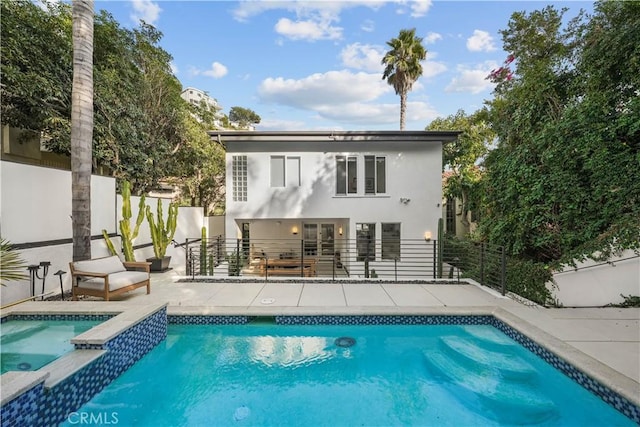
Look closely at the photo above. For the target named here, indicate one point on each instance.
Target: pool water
(28, 345)
(275, 375)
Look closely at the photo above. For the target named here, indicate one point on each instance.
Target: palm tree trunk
(82, 127)
(403, 108)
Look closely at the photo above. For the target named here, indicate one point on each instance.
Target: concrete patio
(603, 342)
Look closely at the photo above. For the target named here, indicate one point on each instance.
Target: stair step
(489, 337)
(504, 363)
(505, 401)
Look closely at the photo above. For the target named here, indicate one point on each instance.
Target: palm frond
(12, 266)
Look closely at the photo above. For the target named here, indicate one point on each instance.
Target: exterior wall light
(427, 235)
(340, 230)
(294, 230)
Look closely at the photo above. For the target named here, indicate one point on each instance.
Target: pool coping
(607, 376)
(15, 383)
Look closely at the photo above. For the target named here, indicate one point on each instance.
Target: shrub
(528, 279)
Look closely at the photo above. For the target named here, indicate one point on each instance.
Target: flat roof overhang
(282, 140)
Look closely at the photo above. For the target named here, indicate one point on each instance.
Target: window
(391, 241)
(277, 171)
(366, 241)
(381, 178)
(374, 175)
(246, 239)
(310, 238)
(239, 178)
(346, 175)
(450, 225)
(285, 170)
(293, 171)
(352, 175)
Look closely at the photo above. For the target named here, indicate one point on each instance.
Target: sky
(316, 65)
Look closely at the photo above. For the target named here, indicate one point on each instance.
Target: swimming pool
(266, 374)
(27, 345)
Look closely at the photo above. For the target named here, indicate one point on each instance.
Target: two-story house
(327, 188)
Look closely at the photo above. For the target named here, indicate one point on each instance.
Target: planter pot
(159, 264)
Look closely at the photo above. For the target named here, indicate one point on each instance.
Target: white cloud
(420, 8)
(472, 80)
(345, 97)
(281, 125)
(358, 112)
(313, 20)
(323, 89)
(363, 57)
(327, 89)
(431, 68)
(480, 41)
(307, 30)
(368, 26)
(174, 68)
(419, 112)
(248, 9)
(387, 114)
(145, 10)
(216, 71)
(432, 37)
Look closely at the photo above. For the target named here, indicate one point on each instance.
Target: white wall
(413, 172)
(190, 223)
(216, 226)
(35, 206)
(598, 284)
(35, 203)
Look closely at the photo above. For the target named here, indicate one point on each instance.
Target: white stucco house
(328, 187)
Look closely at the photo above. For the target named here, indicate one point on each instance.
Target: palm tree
(82, 127)
(402, 65)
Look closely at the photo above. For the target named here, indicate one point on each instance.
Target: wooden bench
(107, 277)
(288, 267)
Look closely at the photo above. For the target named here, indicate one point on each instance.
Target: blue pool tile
(50, 407)
(199, 319)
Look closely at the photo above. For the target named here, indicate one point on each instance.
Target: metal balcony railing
(391, 259)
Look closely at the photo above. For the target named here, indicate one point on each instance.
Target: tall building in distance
(196, 96)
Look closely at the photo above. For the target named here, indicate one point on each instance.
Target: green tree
(138, 112)
(199, 164)
(118, 112)
(243, 116)
(36, 65)
(403, 67)
(82, 128)
(161, 131)
(602, 121)
(464, 156)
(562, 183)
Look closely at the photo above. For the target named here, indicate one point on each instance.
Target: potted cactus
(127, 235)
(161, 235)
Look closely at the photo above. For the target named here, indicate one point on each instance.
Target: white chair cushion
(107, 265)
(116, 280)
